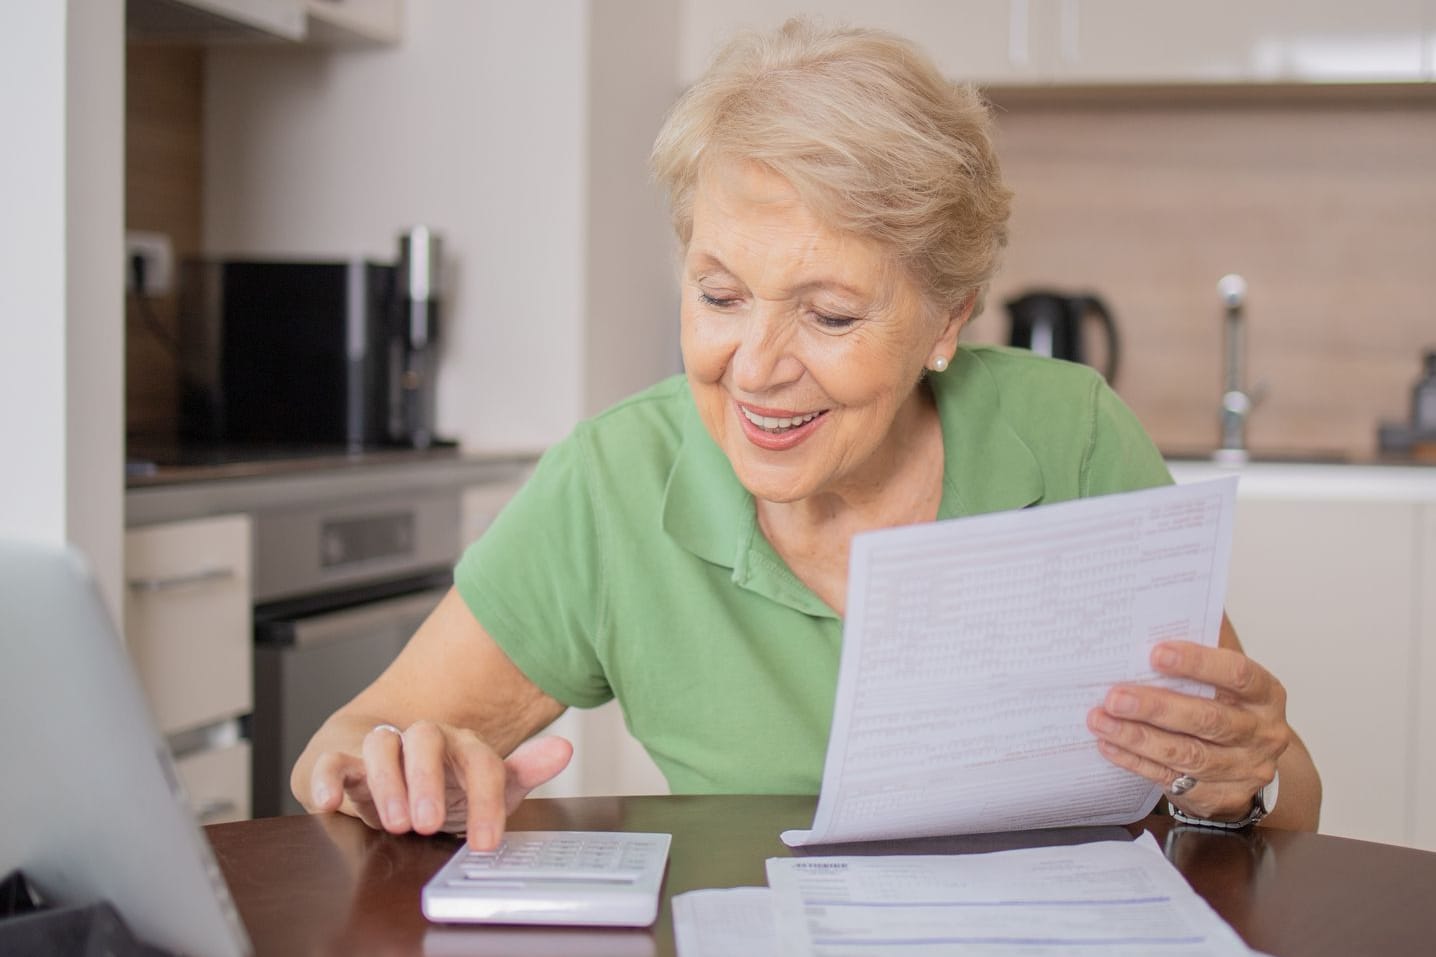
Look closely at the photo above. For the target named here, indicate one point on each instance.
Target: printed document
(1113, 897)
(974, 648)
(732, 922)
(1108, 897)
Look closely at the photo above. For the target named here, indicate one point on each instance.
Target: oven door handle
(403, 611)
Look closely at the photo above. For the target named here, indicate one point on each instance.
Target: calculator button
(567, 874)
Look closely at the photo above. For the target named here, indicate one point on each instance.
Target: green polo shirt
(631, 564)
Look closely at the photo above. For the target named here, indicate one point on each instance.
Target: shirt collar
(987, 466)
(705, 508)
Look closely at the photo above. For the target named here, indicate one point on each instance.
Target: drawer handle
(202, 577)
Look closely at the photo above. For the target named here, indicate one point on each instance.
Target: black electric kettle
(1054, 324)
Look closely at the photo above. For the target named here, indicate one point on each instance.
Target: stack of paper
(1111, 897)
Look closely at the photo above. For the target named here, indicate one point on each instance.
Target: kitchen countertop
(180, 492)
(170, 465)
(195, 490)
(1316, 480)
(1296, 457)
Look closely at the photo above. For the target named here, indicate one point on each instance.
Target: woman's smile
(777, 430)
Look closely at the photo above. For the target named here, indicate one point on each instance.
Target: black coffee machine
(1055, 324)
(321, 355)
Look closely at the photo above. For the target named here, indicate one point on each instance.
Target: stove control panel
(346, 540)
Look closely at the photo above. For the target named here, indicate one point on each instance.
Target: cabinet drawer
(188, 620)
(1423, 748)
(217, 783)
(1322, 593)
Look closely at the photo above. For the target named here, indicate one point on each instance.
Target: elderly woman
(840, 212)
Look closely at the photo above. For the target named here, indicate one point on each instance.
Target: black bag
(31, 927)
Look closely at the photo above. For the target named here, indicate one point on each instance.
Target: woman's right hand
(431, 777)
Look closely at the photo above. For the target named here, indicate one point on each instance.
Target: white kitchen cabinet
(339, 23)
(1320, 594)
(1233, 41)
(1080, 42)
(215, 21)
(983, 41)
(1423, 750)
(1428, 56)
(1333, 588)
(188, 620)
(354, 22)
(216, 782)
(188, 629)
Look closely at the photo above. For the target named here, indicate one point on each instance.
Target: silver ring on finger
(1181, 785)
(388, 727)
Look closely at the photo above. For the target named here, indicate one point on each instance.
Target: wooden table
(328, 885)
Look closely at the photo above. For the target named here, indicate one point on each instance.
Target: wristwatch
(1263, 803)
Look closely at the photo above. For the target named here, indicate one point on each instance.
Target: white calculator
(592, 878)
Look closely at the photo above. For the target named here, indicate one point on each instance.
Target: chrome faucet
(1237, 401)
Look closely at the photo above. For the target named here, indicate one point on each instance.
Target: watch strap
(1256, 813)
(1263, 803)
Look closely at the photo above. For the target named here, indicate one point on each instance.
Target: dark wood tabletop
(328, 885)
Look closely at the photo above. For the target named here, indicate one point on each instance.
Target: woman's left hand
(1230, 744)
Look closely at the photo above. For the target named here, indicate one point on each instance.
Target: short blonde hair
(869, 132)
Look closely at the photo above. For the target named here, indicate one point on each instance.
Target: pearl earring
(939, 363)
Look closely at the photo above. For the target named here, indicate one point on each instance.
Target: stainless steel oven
(338, 588)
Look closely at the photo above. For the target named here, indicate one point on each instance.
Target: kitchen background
(1153, 149)
(1146, 189)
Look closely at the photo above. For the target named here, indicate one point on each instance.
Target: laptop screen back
(90, 804)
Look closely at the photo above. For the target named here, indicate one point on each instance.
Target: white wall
(479, 125)
(632, 289)
(32, 263)
(94, 289)
(61, 285)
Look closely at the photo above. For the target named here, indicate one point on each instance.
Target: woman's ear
(946, 343)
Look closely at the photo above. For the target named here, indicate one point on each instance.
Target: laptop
(90, 806)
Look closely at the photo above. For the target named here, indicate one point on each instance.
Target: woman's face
(803, 345)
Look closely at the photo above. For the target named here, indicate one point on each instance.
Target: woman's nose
(764, 358)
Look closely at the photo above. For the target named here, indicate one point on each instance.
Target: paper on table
(1112, 897)
(974, 648)
(733, 922)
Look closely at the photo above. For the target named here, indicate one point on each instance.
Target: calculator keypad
(608, 878)
(523, 857)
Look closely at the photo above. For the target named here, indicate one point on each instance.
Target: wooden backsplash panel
(163, 110)
(1328, 208)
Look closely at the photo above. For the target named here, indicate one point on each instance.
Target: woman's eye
(833, 322)
(715, 301)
